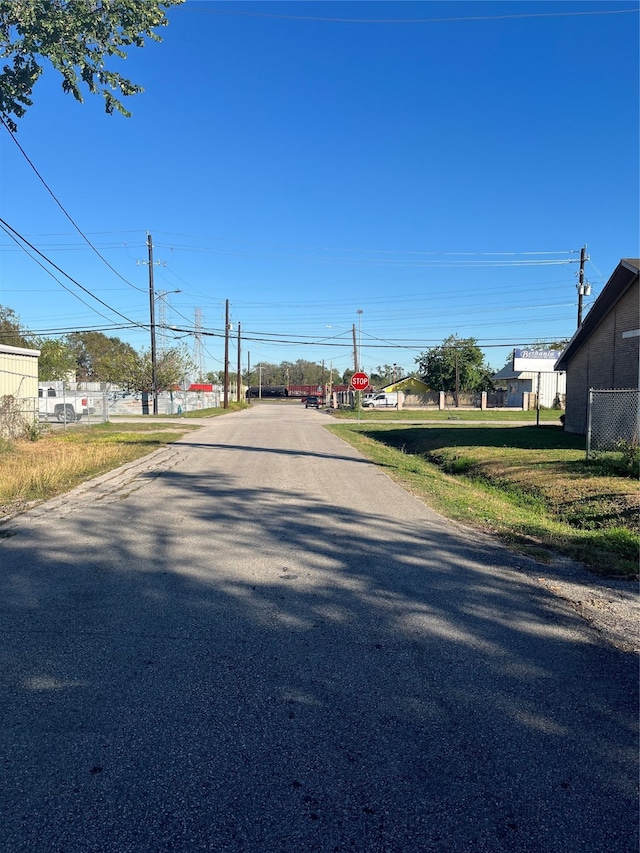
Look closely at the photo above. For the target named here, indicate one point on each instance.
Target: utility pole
(198, 350)
(239, 372)
(584, 289)
(152, 317)
(331, 383)
(355, 349)
(226, 355)
(457, 378)
(152, 322)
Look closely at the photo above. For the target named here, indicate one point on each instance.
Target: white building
(531, 372)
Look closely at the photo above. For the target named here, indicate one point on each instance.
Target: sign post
(359, 383)
(536, 360)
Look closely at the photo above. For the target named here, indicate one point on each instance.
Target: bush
(15, 422)
(630, 451)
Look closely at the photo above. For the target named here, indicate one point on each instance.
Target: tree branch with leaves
(76, 37)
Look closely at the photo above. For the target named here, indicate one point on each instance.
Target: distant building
(516, 382)
(605, 351)
(408, 385)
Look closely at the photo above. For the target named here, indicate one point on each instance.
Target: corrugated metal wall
(18, 372)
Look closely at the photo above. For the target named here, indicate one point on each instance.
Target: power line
(17, 237)
(415, 345)
(466, 18)
(62, 331)
(60, 205)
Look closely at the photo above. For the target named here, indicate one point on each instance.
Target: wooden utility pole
(152, 318)
(239, 371)
(581, 285)
(226, 356)
(457, 378)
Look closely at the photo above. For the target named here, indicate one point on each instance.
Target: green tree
(300, 372)
(100, 358)
(11, 333)
(271, 374)
(76, 37)
(456, 364)
(308, 373)
(172, 367)
(57, 360)
(385, 374)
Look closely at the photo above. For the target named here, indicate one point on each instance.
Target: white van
(381, 401)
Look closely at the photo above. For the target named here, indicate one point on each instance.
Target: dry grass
(32, 471)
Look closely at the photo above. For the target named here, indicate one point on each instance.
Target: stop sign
(359, 381)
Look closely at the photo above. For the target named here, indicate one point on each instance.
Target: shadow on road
(263, 686)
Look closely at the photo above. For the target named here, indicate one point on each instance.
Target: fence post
(590, 406)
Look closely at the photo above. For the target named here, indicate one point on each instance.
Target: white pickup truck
(65, 407)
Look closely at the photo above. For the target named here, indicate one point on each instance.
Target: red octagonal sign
(359, 381)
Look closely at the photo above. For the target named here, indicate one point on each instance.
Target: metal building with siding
(18, 372)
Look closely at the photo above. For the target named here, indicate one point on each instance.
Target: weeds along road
(254, 641)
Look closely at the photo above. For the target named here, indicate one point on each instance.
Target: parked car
(382, 401)
(312, 403)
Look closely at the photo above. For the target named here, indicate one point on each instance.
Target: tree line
(96, 357)
(457, 364)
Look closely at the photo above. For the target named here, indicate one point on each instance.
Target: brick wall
(627, 350)
(606, 359)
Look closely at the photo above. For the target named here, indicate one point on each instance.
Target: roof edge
(620, 281)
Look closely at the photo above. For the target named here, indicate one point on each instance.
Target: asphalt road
(255, 641)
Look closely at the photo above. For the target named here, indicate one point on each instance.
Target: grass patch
(195, 414)
(212, 413)
(60, 460)
(531, 486)
(551, 416)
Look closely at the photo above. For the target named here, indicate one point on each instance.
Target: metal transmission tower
(198, 351)
(161, 297)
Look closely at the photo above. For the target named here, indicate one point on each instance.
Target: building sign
(535, 360)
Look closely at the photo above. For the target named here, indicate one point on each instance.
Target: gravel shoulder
(612, 608)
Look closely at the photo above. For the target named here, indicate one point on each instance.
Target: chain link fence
(613, 420)
(22, 416)
(59, 408)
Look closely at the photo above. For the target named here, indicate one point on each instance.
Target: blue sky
(308, 161)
